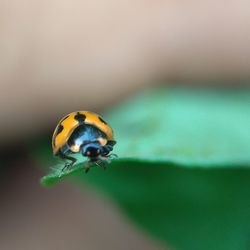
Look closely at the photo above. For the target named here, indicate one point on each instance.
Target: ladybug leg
(106, 150)
(66, 157)
(100, 162)
(106, 153)
(87, 170)
(68, 166)
(112, 156)
(86, 166)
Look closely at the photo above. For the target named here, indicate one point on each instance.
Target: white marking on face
(75, 148)
(102, 141)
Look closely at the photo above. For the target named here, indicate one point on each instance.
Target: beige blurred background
(60, 56)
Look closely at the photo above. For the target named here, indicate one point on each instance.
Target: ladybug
(83, 132)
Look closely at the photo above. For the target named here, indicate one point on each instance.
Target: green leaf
(183, 172)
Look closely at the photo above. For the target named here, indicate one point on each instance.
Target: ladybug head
(92, 150)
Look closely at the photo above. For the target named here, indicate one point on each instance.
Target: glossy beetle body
(82, 132)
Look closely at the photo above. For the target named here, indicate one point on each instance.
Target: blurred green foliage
(183, 174)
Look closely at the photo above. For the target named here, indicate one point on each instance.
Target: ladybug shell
(70, 122)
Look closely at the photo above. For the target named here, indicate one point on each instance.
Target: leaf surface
(183, 168)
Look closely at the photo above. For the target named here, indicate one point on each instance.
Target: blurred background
(61, 56)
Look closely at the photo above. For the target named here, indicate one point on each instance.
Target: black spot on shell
(102, 120)
(80, 117)
(59, 130)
